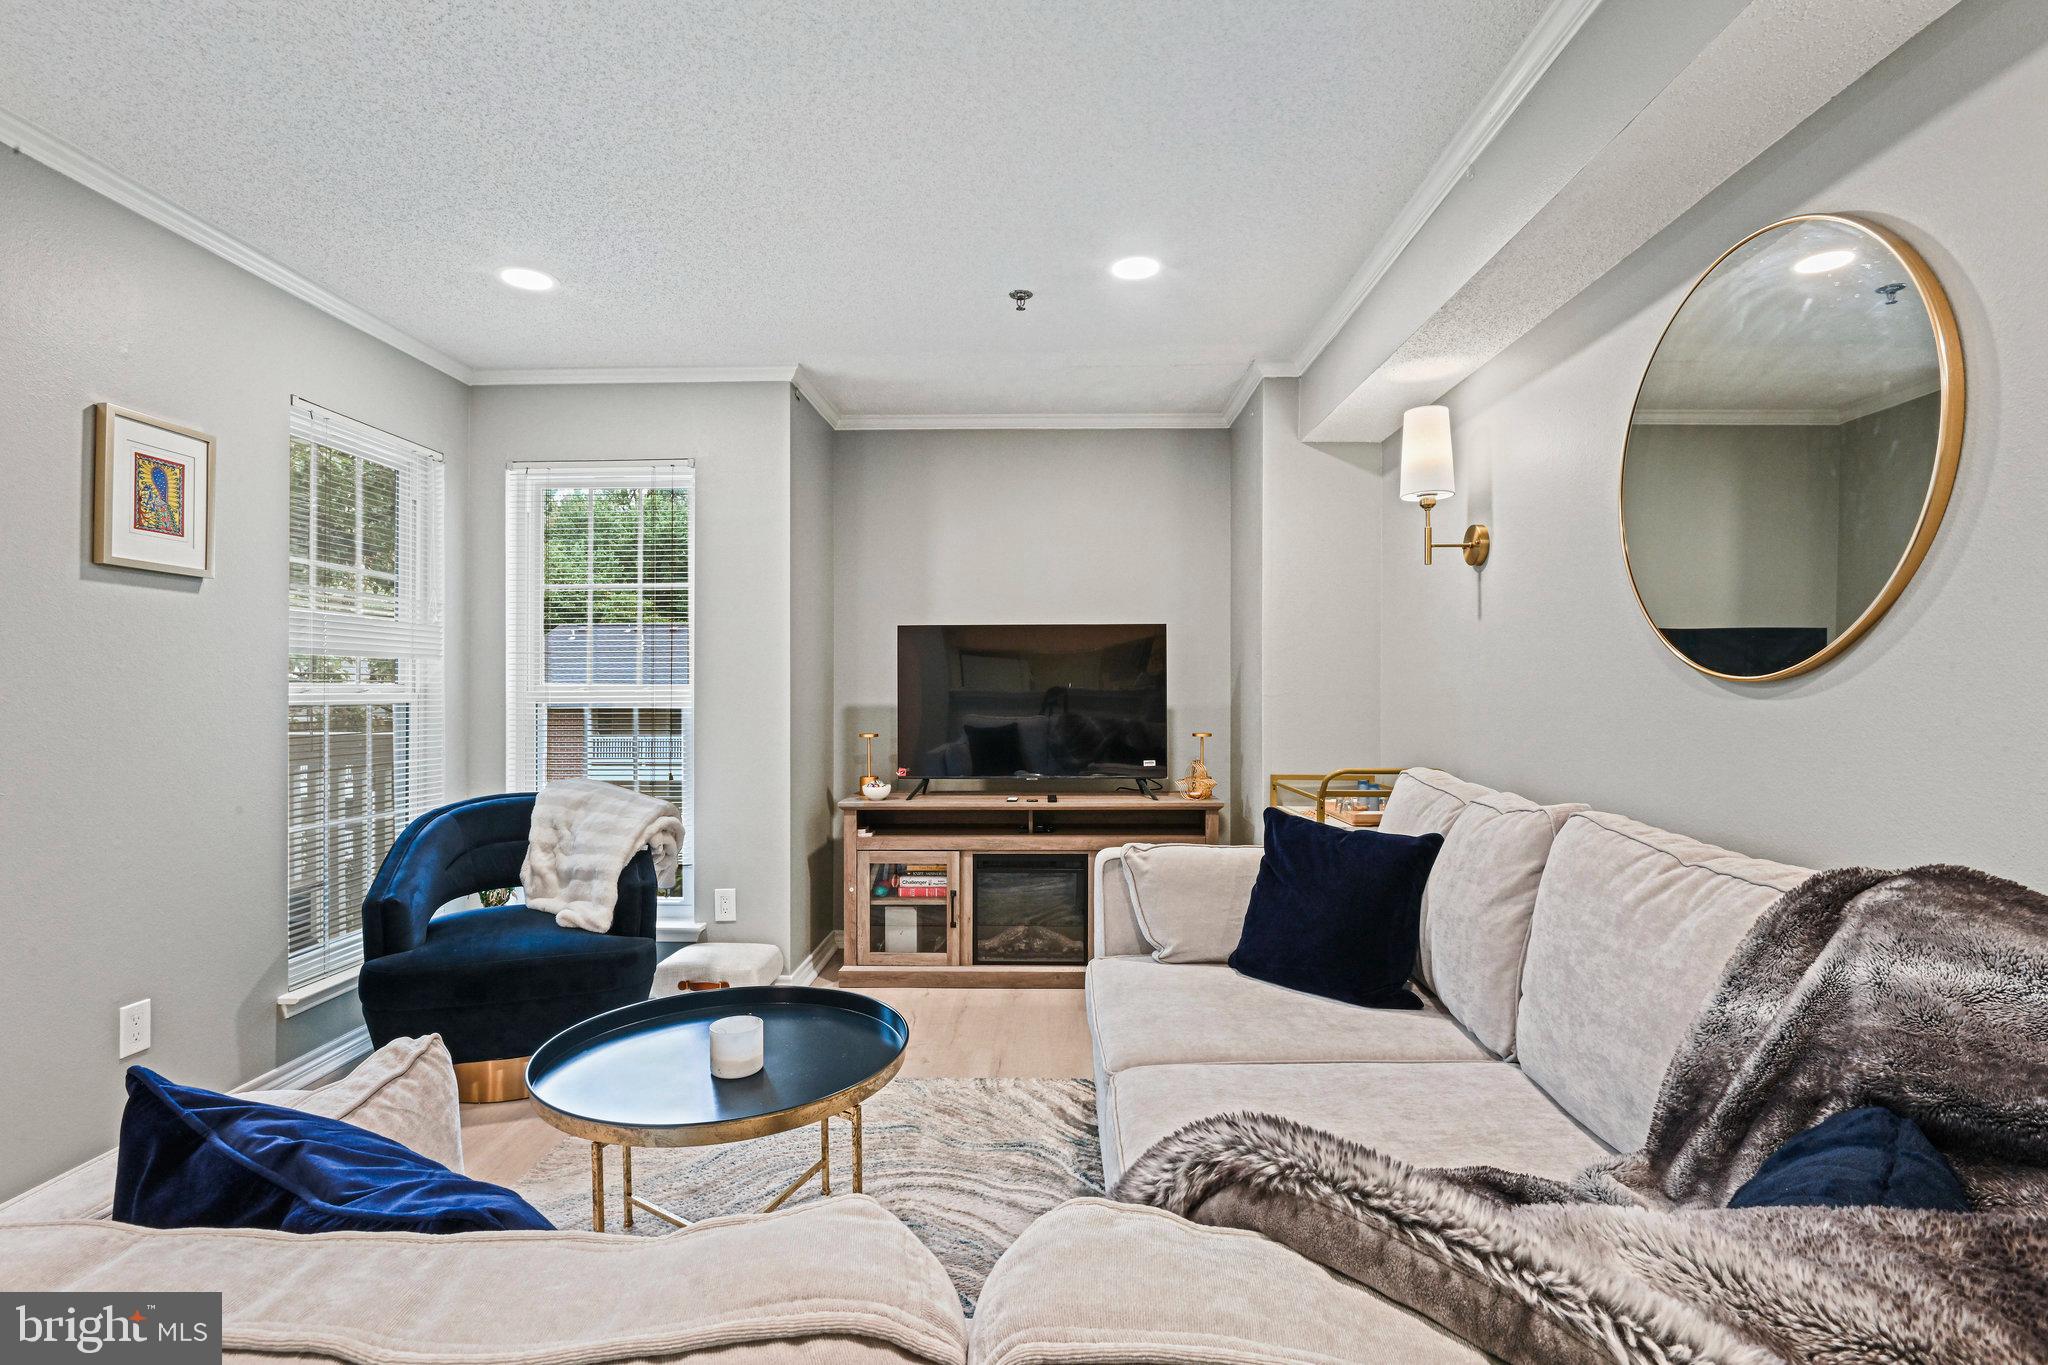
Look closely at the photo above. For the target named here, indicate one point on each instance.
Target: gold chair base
(492, 1082)
(821, 1169)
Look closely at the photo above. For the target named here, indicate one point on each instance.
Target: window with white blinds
(599, 650)
(365, 692)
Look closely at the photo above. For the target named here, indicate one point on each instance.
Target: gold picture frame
(152, 496)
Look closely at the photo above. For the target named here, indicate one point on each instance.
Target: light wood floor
(952, 1033)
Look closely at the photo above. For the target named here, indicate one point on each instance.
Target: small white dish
(875, 791)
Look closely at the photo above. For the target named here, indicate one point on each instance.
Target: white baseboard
(302, 1071)
(807, 971)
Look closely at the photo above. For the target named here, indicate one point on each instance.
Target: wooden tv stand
(1022, 852)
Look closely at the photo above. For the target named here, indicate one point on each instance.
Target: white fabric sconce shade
(1426, 454)
(1426, 478)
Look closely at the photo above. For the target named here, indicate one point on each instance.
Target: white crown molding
(1777, 417)
(1735, 417)
(67, 160)
(813, 390)
(1031, 421)
(1255, 374)
(1878, 402)
(686, 374)
(1553, 32)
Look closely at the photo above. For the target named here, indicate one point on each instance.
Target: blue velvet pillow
(1336, 912)
(195, 1159)
(1867, 1156)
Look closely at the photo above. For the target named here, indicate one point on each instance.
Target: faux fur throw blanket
(583, 835)
(1925, 991)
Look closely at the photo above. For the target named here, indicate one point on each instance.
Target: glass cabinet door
(910, 904)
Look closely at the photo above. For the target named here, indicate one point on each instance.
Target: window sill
(677, 925)
(305, 997)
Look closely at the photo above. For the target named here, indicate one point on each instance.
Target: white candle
(735, 1046)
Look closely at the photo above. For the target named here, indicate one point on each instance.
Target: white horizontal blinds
(599, 649)
(365, 694)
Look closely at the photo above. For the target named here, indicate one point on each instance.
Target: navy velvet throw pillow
(1860, 1157)
(1337, 913)
(196, 1159)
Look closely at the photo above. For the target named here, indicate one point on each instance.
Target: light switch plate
(134, 1029)
(725, 905)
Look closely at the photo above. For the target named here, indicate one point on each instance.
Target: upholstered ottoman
(703, 966)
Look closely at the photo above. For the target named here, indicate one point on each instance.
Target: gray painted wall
(1735, 525)
(1887, 458)
(1320, 607)
(813, 878)
(740, 436)
(1305, 616)
(142, 716)
(1926, 741)
(1022, 526)
(1244, 782)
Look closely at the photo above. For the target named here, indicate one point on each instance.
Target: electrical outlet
(134, 1028)
(725, 905)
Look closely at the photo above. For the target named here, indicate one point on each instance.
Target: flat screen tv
(1009, 702)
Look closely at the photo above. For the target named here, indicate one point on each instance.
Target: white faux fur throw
(583, 835)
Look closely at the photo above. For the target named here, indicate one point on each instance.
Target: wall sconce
(1426, 478)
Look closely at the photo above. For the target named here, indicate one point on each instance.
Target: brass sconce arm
(1478, 541)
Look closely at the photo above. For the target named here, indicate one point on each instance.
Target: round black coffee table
(640, 1076)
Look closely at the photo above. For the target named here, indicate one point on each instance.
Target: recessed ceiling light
(1135, 268)
(1823, 261)
(519, 277)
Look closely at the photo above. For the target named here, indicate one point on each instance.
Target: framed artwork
(152, 494)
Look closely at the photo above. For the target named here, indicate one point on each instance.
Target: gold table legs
(821, 1168)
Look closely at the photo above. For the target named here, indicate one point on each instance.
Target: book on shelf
(933, 884)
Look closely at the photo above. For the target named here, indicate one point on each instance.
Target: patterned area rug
(967, 1164)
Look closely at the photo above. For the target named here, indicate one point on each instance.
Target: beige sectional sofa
(839, 1280)
(1564, 953)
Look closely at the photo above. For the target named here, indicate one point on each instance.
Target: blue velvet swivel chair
(499, 981)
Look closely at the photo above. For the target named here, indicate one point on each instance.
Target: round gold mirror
(1792, 447)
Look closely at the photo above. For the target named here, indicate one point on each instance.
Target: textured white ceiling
(852, 186)
(1773, 66)
(1758, 338)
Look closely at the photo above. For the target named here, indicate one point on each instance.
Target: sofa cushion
(1190, 899)
(1857, 1158)
(195, 1158)
(1427, 1113)
(1482, 891)
(1099, 1281)
(838, 1281)
(1142, 1013)
(1633, 926)
(1475, 915)
(1337, 912)
(1428, 801)
(404, 1090)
